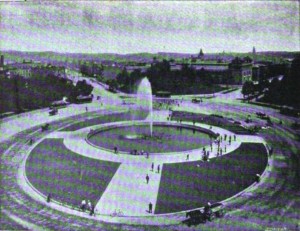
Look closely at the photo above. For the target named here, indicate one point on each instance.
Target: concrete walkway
(128, 191)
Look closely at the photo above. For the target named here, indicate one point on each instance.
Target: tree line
(184, 81)
(19, 93)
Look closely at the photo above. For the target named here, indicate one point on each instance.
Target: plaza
(63, 162)
(150, 115)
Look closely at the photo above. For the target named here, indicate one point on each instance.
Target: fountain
(144, 100)
(155, 137)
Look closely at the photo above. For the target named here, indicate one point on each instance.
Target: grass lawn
(69, 177)
(191, 185)
(165, 139)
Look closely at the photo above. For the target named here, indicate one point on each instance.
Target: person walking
(158, 168)
(187, 156)
(150, 207)
(152, 166)
(234, 137)
(147, 179)
(92, 210)
(83, 205)
(49, 198)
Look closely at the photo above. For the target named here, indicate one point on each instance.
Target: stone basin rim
(104, 127)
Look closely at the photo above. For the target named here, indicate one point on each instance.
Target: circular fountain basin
(166, 137)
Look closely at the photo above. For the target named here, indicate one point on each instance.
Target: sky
(149, 26)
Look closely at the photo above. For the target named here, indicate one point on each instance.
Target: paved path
(129, 192)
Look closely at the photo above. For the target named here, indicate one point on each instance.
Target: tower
(254, 54)
(2, 61)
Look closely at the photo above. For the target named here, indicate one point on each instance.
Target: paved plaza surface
(136, 194)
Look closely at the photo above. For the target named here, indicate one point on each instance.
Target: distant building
(27, 69)
(240, 71)
(259, 72)
(22, 69)
(47, 70)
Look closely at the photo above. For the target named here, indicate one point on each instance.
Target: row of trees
(184, 81)
(18, 93)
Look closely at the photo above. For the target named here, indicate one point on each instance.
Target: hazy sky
(129, 27)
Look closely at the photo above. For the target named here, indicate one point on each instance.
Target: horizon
(149, 27)
(159, 52)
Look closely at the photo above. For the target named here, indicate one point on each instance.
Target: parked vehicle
(54, 111)
(198, 216)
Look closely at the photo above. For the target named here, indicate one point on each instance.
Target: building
(48, 70)
(240, 71)
(259, 72)
(23, 69)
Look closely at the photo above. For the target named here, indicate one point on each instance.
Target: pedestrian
(49, 198)
(152, 166)
(234, 137)
(147, 155)
(116, 150)
(221, 151)
(92, 210)
(225, 136)
(211, 147)
(86, 109)
(83, 205)
(89, 205)
(187, 157)
(150, 207)
(147, 179)
(158, 168)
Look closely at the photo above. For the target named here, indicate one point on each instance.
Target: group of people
(205, 154)
(218, 142)
(147, 181)
(87, 205)
(142, 152)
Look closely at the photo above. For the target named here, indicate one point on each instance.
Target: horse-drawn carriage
(208, 213)
(45, 127)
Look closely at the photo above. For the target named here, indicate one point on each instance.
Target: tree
(82, 88)
(248, 88)
(113, 84)
(200, 54)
